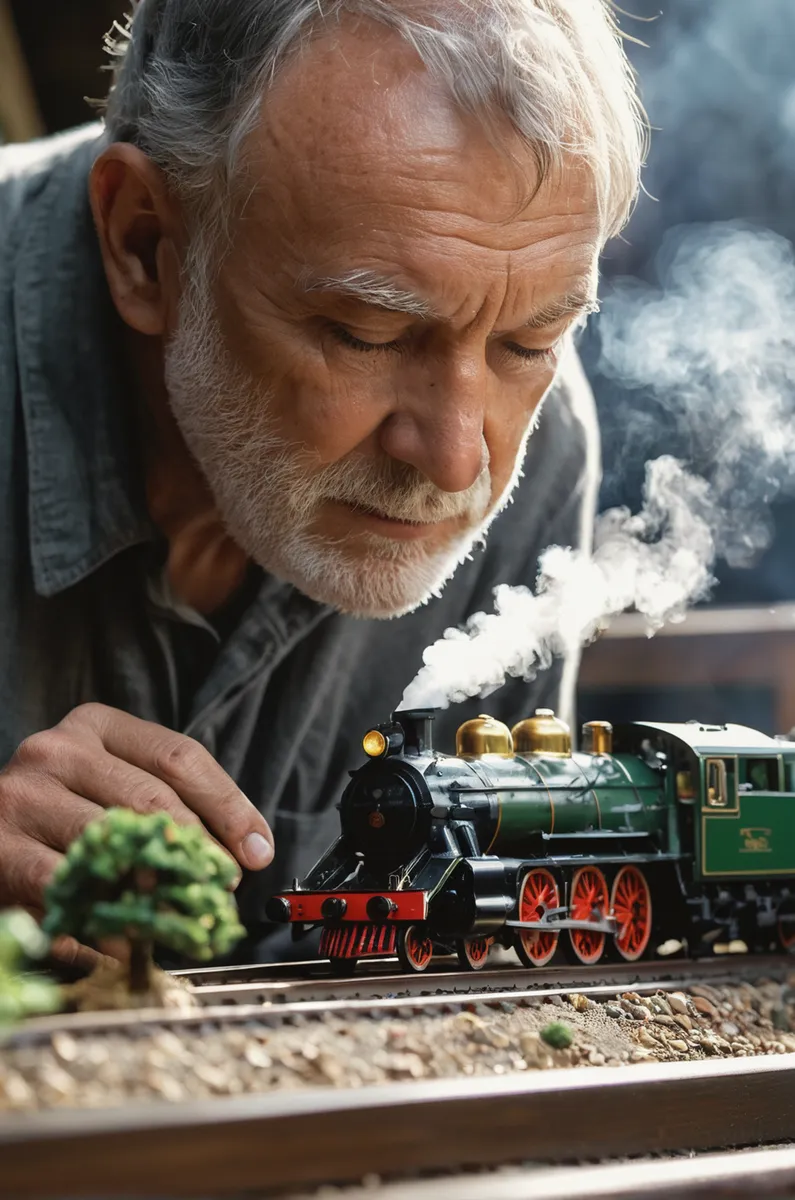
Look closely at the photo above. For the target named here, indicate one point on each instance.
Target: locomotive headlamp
(383, 740)
(374, 743)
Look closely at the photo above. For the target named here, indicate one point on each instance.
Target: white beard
(268, 493)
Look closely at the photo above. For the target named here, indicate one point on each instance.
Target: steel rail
(240, 1010)
(300, 1139)
(751, 1173)
(312, 981)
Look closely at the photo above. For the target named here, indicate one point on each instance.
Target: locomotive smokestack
(417, 725)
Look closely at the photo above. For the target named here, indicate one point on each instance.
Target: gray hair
(190, 75)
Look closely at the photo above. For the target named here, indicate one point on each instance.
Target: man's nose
(438, 427)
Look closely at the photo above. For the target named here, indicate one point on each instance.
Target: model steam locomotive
(653, 831)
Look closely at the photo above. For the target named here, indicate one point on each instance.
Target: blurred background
(718, 82)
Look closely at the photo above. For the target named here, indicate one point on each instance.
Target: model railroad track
(285, 1141)
(227, 1146)
(381, 996)
(263, 985)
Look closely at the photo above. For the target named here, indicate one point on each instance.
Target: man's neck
(205, 566)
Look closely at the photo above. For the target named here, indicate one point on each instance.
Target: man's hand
(61, 779)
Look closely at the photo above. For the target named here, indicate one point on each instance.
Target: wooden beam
(708, 622)
(714, 658)
(20, 119)
(284, 1140)
(751, 1173)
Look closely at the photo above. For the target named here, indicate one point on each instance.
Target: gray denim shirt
(281, 694)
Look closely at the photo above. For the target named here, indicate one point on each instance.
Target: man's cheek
(332, 414)
(505, 432)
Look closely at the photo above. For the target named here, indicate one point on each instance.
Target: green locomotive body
(566, 797)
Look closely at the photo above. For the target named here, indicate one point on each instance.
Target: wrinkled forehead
(363, 104)
(359, 147)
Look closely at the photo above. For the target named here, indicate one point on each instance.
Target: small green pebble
(557, 1035)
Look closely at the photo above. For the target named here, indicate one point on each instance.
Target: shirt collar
(86, 487)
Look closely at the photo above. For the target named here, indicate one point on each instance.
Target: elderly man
(272, 345)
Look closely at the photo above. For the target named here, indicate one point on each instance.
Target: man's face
(359, 387)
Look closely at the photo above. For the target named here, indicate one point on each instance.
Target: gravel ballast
(189, 1062)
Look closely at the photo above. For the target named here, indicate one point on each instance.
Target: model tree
(145, 881)
(23, 993)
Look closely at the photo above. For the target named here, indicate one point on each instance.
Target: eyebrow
(380, 292)
(370, 288)
(577, 304)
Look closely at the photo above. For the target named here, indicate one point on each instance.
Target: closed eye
(547, 354)
(346, 338)
(349, 339)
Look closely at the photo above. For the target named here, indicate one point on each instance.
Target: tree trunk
(140, 964)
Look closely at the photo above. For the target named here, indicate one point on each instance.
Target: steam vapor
(713, 349)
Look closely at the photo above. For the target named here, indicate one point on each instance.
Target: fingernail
(258, 851)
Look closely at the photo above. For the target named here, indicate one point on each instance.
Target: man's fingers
(49, 812)
(191, 773)
(63, 781)
(61, 761)
(111, 782)
(26, 867)
(70, 952)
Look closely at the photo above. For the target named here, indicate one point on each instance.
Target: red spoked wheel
(786, 933)
(538, 893)
(414, 948)
(473, 952)
(589, 902)
(630, 904)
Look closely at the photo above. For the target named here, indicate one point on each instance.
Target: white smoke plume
(713, 347)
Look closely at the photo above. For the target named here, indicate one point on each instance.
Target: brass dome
(543, 733)
(483, 736)
(597, 737)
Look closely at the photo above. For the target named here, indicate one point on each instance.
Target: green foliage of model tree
(146, 880)
(23, 993)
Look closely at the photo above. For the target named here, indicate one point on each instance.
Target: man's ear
(140, 231)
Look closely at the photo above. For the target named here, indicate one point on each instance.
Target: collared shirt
(279, 689)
